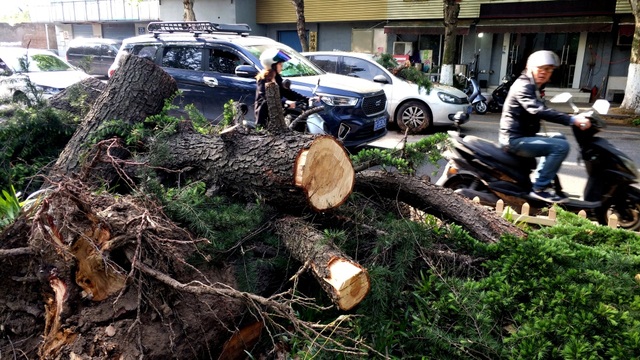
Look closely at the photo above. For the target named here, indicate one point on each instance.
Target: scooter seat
(492, 150)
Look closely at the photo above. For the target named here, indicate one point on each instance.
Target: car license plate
(469, 109)
(380, 123)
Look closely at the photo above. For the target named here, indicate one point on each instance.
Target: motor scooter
(481, 168)
(499, 94)
(303, 116)
(473, 91)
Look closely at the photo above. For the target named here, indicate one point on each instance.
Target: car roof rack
(197, 27)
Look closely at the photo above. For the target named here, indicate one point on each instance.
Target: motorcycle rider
(520, 123)
(272, 60)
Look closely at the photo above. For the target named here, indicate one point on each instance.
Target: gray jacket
(523, 109)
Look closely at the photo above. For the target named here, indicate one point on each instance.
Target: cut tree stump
(344, 280)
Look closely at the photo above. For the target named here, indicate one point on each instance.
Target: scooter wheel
(627, 212)
(480, 107)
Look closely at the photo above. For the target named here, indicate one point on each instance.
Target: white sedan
(408, 106)
(32, 74)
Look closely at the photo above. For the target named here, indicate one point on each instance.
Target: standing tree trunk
(631, 99)
(451, 11)
(301, 25)
(188, 15)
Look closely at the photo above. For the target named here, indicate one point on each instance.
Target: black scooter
(499, 94)
(480, 168)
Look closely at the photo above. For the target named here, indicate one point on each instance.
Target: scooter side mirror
(601, 106)
(565, 97)
(561, 98)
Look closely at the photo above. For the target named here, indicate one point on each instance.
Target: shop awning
(426, 27)
(546, 25)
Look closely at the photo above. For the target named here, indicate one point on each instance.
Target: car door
(222, 84)
(184, 63)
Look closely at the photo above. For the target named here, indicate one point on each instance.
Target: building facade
(494, 37)
(591, 37)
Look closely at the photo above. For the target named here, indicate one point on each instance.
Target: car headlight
(335, 100)
(448, 98)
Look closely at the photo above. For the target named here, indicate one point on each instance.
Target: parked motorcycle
(499, 94)
(481, 168)
(473, 91)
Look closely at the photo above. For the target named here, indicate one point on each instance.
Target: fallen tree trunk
(443, 203)
(344, 280)
(78, 98)
(289, 171)
(137, 90)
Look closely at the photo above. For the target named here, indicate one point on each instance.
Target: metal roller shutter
(82, 30)
(118, 31)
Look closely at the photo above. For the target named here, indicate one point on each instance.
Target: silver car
(27, 74)
(408, 106)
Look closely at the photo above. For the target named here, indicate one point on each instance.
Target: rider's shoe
(549, 196)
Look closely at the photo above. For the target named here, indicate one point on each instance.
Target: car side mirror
(380, 79)
(246, 71)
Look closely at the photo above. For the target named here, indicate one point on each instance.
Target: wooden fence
(548, 220)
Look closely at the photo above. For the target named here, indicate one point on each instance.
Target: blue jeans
(552, 150)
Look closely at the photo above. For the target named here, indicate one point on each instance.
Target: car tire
(414, 116)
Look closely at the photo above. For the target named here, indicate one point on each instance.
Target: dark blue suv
(215, 63)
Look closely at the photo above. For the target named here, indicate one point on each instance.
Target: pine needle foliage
(406, 72)
(405, 160)
(29, 141)
(565, 292)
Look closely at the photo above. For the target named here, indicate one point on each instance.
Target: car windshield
(298, 65)
(36, 63)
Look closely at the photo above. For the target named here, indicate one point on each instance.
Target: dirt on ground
(620, 116)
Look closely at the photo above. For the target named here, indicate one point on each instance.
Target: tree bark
(631, 99)
(344, 280)
(301, 24)
(78, 98)
(136, 91)
(451, 10)
(188, 14)
(276, 122)
(289, 171)
(443, 203)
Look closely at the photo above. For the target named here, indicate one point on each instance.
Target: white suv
(408, 106)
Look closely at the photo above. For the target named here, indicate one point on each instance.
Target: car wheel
(480, 107)
(414, 116)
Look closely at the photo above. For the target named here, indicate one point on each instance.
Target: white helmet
(273, 56)
(542, 58)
